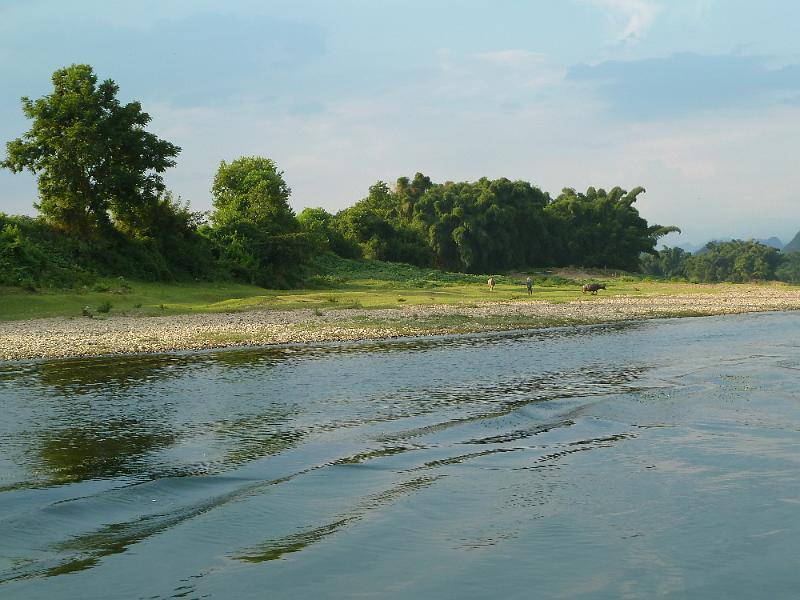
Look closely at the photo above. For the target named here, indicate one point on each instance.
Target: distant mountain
(772, 242)
(794, 245)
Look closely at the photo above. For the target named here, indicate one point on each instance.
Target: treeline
(488, 226)
(735, 261)
(104, 210)
(251, 235)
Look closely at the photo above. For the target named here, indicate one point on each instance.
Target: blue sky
(697, 101)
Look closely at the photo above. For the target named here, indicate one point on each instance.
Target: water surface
(637, 460)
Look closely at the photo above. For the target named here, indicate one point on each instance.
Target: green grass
(338, 283)
(134, 297)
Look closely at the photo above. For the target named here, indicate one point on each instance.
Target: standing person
(529, 283)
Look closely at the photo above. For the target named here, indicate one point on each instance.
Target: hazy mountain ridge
(773, 242)
(794, 245)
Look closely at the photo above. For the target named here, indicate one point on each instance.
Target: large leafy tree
(252, 190)
(483, 226)
(96, 164)
(259, 238)
(601, 229)
(667, 262)
(320, 226)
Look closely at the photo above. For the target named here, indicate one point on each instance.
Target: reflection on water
(594, 462)
(143, 416)
(92, 375)
(108, 449)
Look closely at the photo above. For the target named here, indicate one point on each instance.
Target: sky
(698, 101)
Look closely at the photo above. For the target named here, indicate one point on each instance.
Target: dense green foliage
(104, 208)
(34, 253)
(252, 190)
(257, 236)
(105, 212)
(600, 229)
(495, 225)
(736, 261)
(789, 268)
(669, 263)
(733, 261)
(93, 158)
(319, 224)
(329, 269)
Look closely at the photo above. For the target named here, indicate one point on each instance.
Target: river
(634, 460)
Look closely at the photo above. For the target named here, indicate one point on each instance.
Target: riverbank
(70, 337)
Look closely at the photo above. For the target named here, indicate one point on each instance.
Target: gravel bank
(55, 338)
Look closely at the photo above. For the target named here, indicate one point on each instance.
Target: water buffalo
(491, 284)
(593, 287)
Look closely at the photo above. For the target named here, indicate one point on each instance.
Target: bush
(329, 268)
(250, 254)
(33, 254)
(789, 269)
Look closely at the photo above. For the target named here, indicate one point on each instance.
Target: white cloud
(729, 174)
(507, 77)
(638, 16)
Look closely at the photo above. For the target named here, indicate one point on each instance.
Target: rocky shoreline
(62, 337)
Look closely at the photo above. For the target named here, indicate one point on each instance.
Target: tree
(602, 229)
(667, 262)
(409, 192)
(317, 223)
(252, 190)
(258, 237)
(93, 157)
(736, 261)
(320, 225)
(789, 267)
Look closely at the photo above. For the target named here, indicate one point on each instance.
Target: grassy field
(338, 283)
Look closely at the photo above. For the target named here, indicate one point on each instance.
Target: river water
(637, 460)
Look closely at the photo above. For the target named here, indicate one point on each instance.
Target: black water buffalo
(593, 287)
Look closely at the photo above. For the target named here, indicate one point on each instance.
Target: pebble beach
(73, 337)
